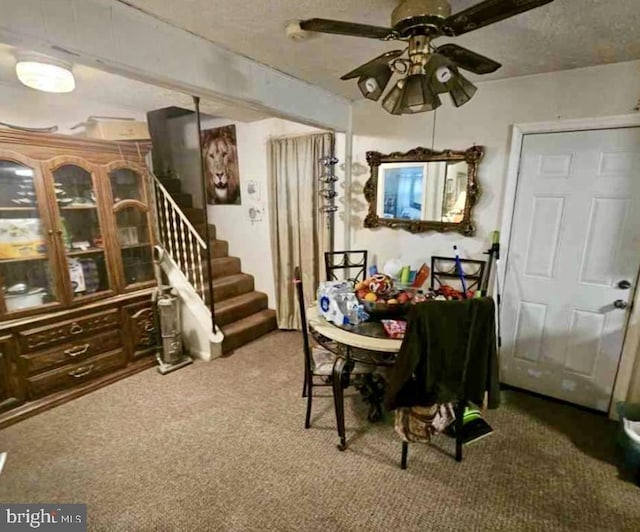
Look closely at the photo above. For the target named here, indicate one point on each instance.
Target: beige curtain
(299, 234)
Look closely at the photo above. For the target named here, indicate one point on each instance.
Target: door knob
(624, 284)
(620, 303)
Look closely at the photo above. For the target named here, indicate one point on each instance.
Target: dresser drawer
(67, 331)
(74, 374)
(141, 329)
(71, 352)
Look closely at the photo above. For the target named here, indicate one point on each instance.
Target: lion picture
(220, 156)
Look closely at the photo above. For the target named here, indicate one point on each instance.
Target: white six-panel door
(575, 237)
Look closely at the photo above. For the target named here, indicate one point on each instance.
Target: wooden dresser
(76, 268)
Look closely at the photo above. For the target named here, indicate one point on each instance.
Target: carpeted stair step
(223, 266)
(239, 307)
(195, 216)
(183, 199)
(200, 227)
(243, 331)
(231, 286)
(171, 184)
(219, 248)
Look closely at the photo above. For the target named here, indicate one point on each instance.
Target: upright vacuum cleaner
(170, 354)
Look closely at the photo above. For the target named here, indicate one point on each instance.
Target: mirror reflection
(432, 191)
(423, 190)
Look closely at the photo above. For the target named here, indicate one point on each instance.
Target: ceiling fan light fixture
(460, 89)
(443, 74)
(372, 86)
(45, 74)
(419, 23)
(392, 102)
(418, 96)
(440, 71)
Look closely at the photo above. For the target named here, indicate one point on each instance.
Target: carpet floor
(221, 446)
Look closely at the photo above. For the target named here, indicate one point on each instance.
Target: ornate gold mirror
(423, 190)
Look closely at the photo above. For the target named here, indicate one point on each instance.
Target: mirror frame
(472, 156)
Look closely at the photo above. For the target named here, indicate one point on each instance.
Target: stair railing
(180, 239)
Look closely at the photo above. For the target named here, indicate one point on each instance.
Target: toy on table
(394, 328)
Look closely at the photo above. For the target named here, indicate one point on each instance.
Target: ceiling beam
(117, 38)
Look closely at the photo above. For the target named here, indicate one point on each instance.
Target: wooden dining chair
(318, 361)
(352, 263)
(414, 421)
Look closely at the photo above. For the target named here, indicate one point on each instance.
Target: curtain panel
(299, 236)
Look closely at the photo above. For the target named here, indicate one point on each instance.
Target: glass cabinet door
(27, 276)
(126, 184)
(133, 231)
(81, 230)
(135, 246)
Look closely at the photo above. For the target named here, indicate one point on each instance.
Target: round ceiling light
(45, 74)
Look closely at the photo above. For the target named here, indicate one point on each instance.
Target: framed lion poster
(220, 156)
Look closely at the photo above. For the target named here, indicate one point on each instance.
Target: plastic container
(629, 436)
(20, 301)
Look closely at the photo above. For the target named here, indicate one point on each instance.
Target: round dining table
(365, 343)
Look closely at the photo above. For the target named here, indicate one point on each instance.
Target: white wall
(249, 241)
(485, 120)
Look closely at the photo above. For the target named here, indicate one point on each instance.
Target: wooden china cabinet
(76, 268)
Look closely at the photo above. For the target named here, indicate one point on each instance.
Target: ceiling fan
(429, 70)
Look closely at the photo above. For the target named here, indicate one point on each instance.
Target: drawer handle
(75, 328)
(81, 372)
(77, 350)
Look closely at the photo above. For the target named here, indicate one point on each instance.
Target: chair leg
(304, 387)
(459, 425)
(405, 451)
(307, 419)
(338, 399)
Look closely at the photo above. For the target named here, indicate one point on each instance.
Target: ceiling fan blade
(469, 60)
(339, 27)
(486, 13)
(374, 64)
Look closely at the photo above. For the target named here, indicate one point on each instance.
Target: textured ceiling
(562, 35)
(94, 85)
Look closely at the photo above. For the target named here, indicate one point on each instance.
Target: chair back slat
(353, 263)
(444, 271)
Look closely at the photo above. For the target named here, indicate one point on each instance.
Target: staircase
(241, 312)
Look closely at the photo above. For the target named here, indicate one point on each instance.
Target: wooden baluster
(194, 248)
(192, 262)
(161, 216)
(169, 232)
(177, 226)
(201, 274)
(187, 240)
(185, 257)
(176, 237)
